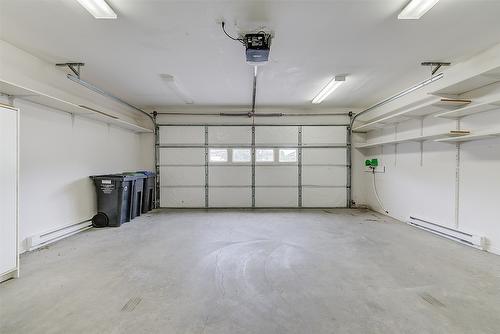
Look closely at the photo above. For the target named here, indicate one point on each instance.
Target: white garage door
(208, 166)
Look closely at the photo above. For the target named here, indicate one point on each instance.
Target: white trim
(494, 250)
(14, 272)
(18, 144)
(8, 275)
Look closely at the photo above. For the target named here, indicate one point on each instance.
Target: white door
(8, 192)
(253, 166)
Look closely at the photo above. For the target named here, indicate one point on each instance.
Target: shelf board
(13, 90)
(105, 118)
(470, 84)
(404, 140)
(72, 108)
(470, 110)
(55, 103)
(434, 106)
(471, 137)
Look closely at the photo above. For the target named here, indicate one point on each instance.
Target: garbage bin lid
(135, 175)
(116, 177)
(147, 172)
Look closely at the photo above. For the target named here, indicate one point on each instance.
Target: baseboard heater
(40, 240)
(475, 241)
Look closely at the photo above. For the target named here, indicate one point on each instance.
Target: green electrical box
(371, 163)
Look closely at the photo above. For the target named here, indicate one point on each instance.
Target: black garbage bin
(148, 197)
(136, 194)
(113, 199)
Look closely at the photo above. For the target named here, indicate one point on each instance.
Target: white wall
(424, 185)
(58, 152)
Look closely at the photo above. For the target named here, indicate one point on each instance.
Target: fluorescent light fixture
(98, 8)
(415, 9)
(329, 88)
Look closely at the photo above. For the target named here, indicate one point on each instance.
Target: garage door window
(218, 155)
(264, 155)
(288, 155)
(242, 155)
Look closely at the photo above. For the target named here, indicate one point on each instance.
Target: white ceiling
(314, 40)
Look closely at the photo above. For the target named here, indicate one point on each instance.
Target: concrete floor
(315, 271)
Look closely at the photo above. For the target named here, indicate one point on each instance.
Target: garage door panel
(276, 197)
(229, 175)
(324, 197)
(230, 135)
(324, 135)
(182, 156)
(324, 156)
(230, 197)
(173, 197)
(276, 135)
(324, 175)
(182, 176)
(275, 175)
(182, 135)
(183, 171)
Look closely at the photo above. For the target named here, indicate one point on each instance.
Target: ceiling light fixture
(415, 9)
(98, 8)
(329, 88)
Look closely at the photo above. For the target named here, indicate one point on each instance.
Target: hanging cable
(241, 40)
(376, 192)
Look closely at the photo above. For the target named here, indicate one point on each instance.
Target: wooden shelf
(431, 107)
(486, 98)
(400, 141)
(472, 137)
(72, 108)
(470, 84)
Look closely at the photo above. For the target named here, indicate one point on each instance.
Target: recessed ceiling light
(415, 9)
(329, 88)
(98, 8)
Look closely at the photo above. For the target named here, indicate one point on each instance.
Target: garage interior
(315, 166)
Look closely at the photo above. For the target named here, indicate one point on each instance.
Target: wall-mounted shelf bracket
(435, 65)
(74, 67)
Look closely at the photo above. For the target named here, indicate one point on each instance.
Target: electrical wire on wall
(376, 192)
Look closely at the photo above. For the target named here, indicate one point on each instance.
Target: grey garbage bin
(136, 193)
(148, 196)
(113, 199)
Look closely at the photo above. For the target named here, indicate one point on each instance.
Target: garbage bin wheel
(100, 220)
